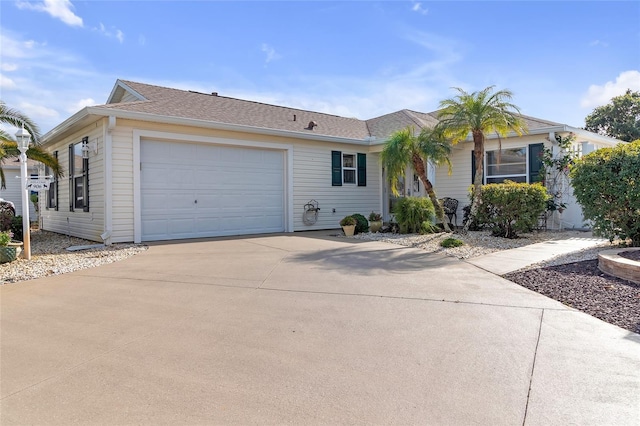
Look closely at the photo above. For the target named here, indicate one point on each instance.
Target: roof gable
(122, 92)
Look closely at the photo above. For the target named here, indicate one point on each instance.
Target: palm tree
(479, 113)
(405, 148)
(9, 148)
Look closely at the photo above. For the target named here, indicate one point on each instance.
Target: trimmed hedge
(508, 208)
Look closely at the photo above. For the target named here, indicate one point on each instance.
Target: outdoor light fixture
(23, 137)
(87, 147)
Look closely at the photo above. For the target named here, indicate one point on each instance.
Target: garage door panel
(238, 190)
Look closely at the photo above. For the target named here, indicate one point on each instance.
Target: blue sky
(355, 58)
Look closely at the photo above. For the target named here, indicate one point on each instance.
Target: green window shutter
(85, 185)
(535, 162)
(362, 169)
(71, 171)
(473, 167)
(336, 168)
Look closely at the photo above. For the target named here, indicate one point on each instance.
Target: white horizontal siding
(12, 191)
(312, 181)
(122, 184)
(88, 225)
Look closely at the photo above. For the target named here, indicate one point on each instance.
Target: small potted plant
(375, 221)
(8, 250)
(348, 224)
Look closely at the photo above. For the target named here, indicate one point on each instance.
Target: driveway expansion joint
(533, 367)
(425, 299)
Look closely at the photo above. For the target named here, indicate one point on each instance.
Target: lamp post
(23, 137)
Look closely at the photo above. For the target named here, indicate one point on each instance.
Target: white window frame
(354, 168)
(509, 176)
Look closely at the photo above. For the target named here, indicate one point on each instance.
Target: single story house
(157, 163)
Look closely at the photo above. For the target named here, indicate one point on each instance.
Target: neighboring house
(157, 163)
(11, 168)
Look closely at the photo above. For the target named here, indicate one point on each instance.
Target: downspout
(108, 180)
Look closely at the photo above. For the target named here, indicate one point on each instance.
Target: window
(78, 177)
(348, 169)
(507, 164)
(52, 193)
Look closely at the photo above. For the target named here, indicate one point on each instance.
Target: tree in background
(9, 147)
(405, 148)
(479, 113)
(607, 185)
(619, 119)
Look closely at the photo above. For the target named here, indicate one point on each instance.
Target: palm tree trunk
(478, 152)
(418, 167)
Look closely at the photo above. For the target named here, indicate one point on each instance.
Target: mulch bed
(581, 285)
(633, 255)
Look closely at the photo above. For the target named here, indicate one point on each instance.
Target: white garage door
(196, 190)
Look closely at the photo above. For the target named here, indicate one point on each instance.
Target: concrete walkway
(305, 329)
(506, 261)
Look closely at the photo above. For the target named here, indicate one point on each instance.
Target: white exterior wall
(312, 181)
(12, 192)
(310, 167)
(122, 183)
(88, 225)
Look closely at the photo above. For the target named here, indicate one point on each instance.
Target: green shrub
(451, 242)
(607, 185)
(5, 238)
(348, 221)
(411, 212)
(508, 208)
(362, 224)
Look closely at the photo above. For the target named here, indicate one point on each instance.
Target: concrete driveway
(305, 329)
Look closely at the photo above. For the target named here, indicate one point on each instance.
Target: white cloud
(77, 106)
(51, 80)
(142, 40)
(8, 67)
(271, 53)
(417, 7)
(6, 83)
(601, 95)
(111, 33)
(60, 9)
(16, 49)
(596, 43)
(38, 110)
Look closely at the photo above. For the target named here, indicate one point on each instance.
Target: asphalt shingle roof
(164, 101)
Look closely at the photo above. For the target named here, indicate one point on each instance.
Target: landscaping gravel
(50, 257)
(581, 285)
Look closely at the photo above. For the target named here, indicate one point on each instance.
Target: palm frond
(18, 119)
